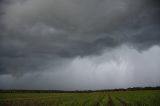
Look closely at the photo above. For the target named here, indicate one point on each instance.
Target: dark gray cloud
(118, 68)
(37, 34)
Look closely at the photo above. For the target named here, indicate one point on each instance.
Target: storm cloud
(47, 36)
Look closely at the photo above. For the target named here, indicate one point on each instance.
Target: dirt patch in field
(97, 104)
(110, 102)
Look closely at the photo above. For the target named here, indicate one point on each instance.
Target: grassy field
(118, 98)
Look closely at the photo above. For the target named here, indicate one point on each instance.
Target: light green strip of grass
(104, 100)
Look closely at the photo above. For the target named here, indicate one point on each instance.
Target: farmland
(116, 98)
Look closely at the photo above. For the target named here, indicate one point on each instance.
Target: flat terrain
(118, 98)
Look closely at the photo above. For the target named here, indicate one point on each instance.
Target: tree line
(77, 91)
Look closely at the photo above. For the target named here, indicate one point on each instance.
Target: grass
(139, 98)
(132, 98)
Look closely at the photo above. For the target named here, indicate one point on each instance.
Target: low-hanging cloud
(37, 34)
(120, 68)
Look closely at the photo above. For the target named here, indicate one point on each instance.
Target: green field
(118, 98)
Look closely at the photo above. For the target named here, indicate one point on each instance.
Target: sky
(79, 44)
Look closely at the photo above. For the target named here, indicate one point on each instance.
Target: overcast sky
(79, 44)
